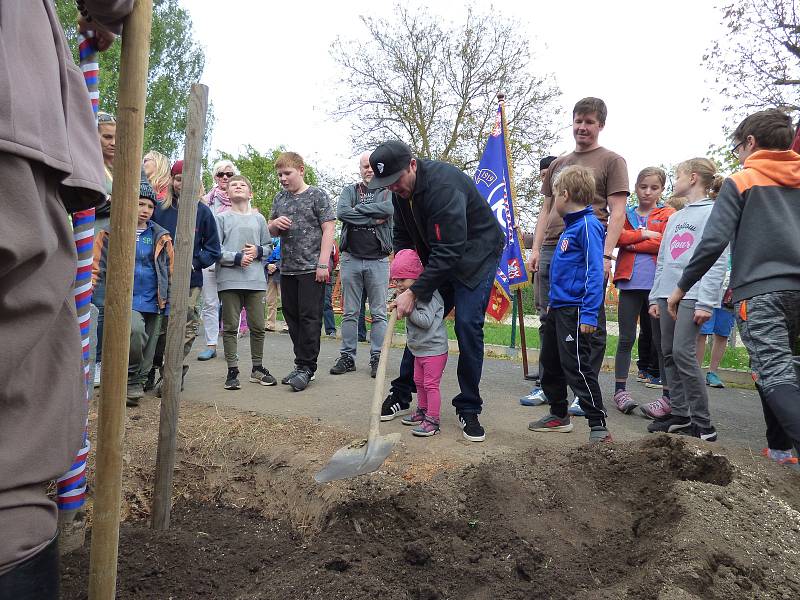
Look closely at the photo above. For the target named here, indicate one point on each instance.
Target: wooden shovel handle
(380, 377)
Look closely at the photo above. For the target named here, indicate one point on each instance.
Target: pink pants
(427, 375)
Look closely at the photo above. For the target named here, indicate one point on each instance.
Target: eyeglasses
(736, 147)
(227, 174)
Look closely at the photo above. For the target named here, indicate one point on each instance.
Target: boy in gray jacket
(698, 181)
(758, 210)
(427, 341)
(241, 283)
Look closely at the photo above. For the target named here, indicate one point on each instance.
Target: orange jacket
(631, 241)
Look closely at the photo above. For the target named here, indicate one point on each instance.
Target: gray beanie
(146, 191)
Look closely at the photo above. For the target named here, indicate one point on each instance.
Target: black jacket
(451, 227)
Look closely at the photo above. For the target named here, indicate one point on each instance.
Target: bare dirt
(660, 518)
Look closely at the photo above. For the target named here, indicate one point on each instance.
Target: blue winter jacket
(576, 272)
(206, 238)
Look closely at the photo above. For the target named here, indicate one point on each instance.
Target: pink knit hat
(406, 265)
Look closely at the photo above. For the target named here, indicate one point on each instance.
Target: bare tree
(757, 63)
(434, 85)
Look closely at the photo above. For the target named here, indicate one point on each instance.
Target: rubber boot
(35, 579)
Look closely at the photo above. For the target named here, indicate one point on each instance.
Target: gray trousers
(687, 384)
(145, 328)
(356, 275)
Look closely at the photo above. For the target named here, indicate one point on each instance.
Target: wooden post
(179, 304)
(522, 344)
(119, 296)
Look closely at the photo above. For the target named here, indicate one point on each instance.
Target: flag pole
(501, 98)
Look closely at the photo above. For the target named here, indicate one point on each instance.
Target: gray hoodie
(681, 237)
(427, 334)
(236, 230)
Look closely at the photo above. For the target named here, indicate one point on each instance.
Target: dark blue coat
(206, 238)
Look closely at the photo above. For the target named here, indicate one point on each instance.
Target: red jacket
(631, 241)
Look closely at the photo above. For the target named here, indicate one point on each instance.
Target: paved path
(343, 401)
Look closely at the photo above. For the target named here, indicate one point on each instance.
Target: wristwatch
(321, 266)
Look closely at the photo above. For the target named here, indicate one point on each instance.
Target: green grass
(499, 334)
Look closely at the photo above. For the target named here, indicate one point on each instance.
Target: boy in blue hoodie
(576, 294)
(151, 279)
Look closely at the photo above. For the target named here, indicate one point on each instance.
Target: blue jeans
(327, 310)
(470, 305)
(359, 275)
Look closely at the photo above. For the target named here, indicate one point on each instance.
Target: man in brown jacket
(49, 149)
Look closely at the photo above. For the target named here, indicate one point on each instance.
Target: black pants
(35, 579)
(649, 351)
(565, 356)
(597, 341)
(302, 298)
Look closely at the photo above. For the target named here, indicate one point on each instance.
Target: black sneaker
(344, 364)
(669, 424)
(471, 427)
(150, 382)
(288, 378)
(373, 364)
(160, 384)
(261, 375)
(393, 407)
(301, 380)
(707, 434)
(232, 382)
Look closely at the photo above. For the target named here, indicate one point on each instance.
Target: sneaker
(344, 364)
(624, 401)
(207, 354)
(288, 378)
(131, 402)
(362, 339)
(669, 424)
(471, 427)
(782, 457)
(653, 382)
(160, 383)
(552, 423)
(657, 409)
(373, 365)
(575, 408)
(600, 435)
(331, 335)
(393, 406)
(261, 375)
(708, 434)
(642, 377)
(418, 416)
(535, 398)
(427, 428)
(301, 380)
(232, 381)
(713, 380)
(135, 391)
(97, 374)
(150, 382)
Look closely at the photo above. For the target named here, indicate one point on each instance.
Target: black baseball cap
(388, 161)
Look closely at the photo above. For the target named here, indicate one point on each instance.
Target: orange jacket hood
(769, 167)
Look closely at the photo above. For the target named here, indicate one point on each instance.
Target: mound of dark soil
(656, 519)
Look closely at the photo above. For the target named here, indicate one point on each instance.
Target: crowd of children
(290, 254)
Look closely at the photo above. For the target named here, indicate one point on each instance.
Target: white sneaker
(96, 374)
(575, 408)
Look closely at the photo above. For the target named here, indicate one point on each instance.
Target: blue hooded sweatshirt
(576, 273)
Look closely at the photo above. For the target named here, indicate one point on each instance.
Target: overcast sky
(270, 73)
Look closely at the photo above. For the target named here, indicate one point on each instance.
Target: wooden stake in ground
(178, 305)
(119, 296)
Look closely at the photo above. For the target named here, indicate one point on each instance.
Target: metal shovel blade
(359, 458)
(366, 456)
